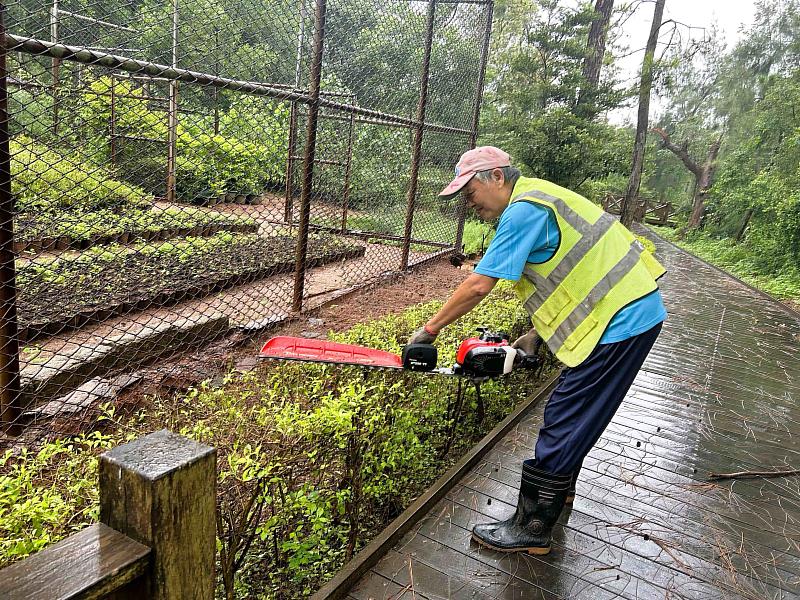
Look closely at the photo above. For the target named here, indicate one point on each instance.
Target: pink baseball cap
(482, 158)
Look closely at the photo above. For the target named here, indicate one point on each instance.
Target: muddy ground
(240, 351)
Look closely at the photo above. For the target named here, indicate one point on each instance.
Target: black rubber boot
(571, 492)
(541, 498)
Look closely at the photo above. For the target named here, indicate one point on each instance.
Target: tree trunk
(703, 184)
(595, 50)
(743, 225)
(632, 191)
(703, 173)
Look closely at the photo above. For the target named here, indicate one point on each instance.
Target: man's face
(487, 198)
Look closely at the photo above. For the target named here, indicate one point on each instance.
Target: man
(590, 289)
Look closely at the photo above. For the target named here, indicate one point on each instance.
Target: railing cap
(157, 454)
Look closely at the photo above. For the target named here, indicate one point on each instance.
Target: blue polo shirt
(529, 233)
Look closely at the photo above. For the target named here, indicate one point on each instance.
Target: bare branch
(679, 151)
(752, 474)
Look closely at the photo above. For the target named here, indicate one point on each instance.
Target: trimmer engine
(488, 355)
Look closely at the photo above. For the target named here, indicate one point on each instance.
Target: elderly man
(590, 289)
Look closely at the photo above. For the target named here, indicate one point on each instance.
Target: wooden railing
(649, 210)
(156, 536)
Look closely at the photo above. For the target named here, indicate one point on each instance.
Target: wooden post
(160, 490)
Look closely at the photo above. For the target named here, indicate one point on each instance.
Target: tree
(703, 172)
(535, 71)
(595, 51)
(632, 192)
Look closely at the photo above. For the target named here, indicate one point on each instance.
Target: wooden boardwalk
(720, 393)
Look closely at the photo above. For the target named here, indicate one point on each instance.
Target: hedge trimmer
(478, 358)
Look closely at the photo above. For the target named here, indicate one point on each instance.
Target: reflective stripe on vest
(590, 234)
(582, 310)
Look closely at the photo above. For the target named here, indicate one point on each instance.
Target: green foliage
(477, 236)
(741, 260)
(597, 189)
(43, 179)
(49, 494)
(750, 93)
(530, 106)
(247, 155)
(107, 223)
(329, 454)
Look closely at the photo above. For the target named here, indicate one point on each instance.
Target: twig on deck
(752, 474)
(411, 577)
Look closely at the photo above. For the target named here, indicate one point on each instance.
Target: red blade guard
(311, 350)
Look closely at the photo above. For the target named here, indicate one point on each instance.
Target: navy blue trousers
(585, 400)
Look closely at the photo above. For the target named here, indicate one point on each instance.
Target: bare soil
(240, 351)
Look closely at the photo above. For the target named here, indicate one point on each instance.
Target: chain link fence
(173, 170)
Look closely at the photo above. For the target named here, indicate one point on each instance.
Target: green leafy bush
(48, 494)
(327, 454)
(247, 155)
(477, 236)
(44, 179)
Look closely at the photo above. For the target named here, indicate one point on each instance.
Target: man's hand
(528, 343)
(423, 335)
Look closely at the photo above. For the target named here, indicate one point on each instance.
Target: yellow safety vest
(598, 269)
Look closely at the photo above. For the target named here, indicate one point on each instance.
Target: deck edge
(346, 578)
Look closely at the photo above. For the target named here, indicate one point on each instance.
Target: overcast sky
(729, 16)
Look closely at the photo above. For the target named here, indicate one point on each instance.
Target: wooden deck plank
(597, 482)
(621, 440)
(695, 537)
(374, 586)
(576, 553)
(719, 392)
(92, 563)
(781, 505)
(640, 536)
(778, 511)
(414, 568)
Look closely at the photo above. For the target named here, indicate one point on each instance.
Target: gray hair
(510, 175)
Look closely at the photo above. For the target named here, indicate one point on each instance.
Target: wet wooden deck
(719, 393)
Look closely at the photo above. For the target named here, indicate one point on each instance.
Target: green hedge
(329, 454)
(44, 179)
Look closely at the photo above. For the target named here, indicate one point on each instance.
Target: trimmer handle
(523, 360)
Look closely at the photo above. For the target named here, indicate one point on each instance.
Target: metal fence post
(9, 343)
(310, 150)
(462, 206)
(55, 63)
(418, 131)
(172, 115)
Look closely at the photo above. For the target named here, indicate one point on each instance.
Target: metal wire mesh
(170, 171)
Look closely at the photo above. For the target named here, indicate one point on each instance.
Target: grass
(740, 261)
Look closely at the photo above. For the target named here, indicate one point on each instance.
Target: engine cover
(487, 361)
